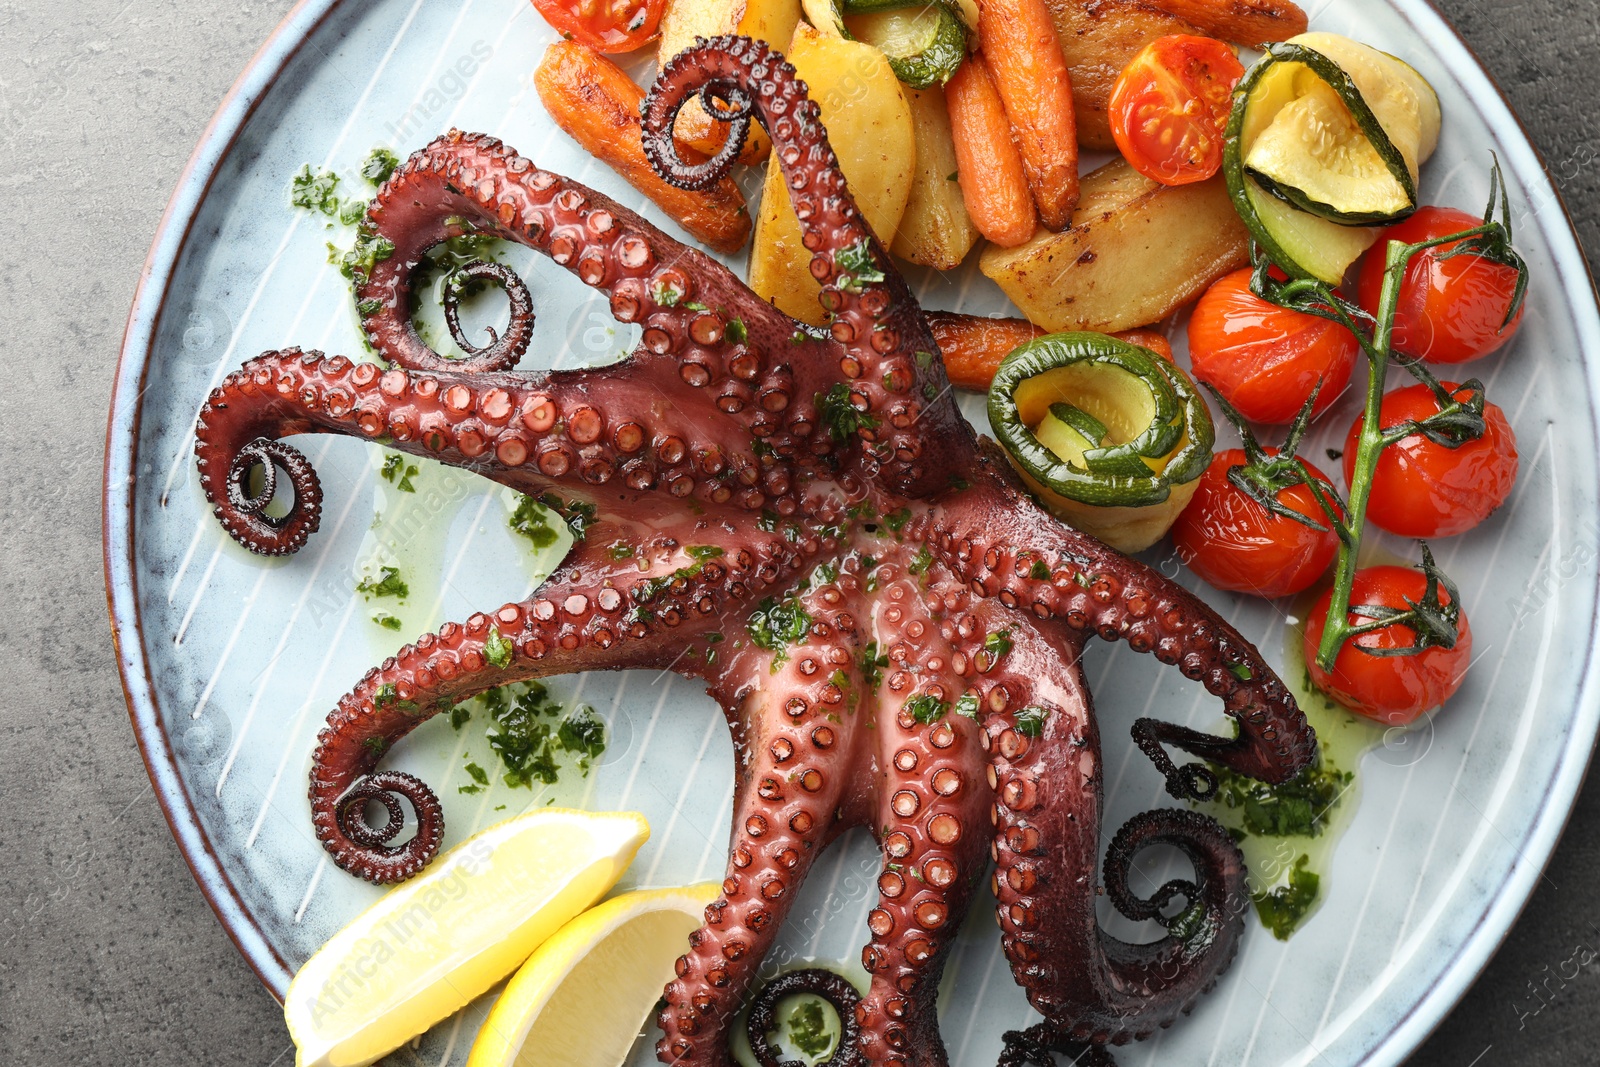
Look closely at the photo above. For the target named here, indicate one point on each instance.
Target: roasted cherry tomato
(1236, 544)
(1450, 310)
(1424, 489)
(1170, 105)
(1394, 690)
(604, 25)
(1263, 358)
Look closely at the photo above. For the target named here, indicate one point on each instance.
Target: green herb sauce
(534, 735)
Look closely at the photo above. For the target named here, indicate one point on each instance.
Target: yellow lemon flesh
(584, 996)
(431, 945)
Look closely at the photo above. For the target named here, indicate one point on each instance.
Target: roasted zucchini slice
(1324, 142)
(924, 45)
(1111, 437)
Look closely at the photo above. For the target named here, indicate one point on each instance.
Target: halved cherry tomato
(604, 25)
(1394, 690)
(1263, 358)
(1170, 105)
(1451, 310)
(1423, 489)
(1236, 544)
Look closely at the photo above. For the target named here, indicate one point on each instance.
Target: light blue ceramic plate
(231, 662)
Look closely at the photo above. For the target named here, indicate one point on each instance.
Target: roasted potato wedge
(1098, 38)
(935, 230)
(869, 125)
(772, 21)
(1137, 250)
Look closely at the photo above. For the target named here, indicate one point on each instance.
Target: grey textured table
(108, 953)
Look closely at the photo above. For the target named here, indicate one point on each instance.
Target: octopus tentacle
(592, 433)
(582, 619)
(245, 515)
(1031, 562)
(887, 355)
(1037, 1046)
(931, 813)
(707, 342)
(468, 183)
(788, 793)
(1089, 986)
(796, 722)
(500, 353)
(833, 988)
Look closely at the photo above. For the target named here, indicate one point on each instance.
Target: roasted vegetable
(924, 45)
(1137, 250)
(617, 26)
(1251, 22)
(869, 125)
(1098, 40)
(1111, 437)
(772, 21)
(974, 346)
(994, 187)
(597, 104)
(1171, 106)
(1326, 136)
(935, 230)
(1031, 77)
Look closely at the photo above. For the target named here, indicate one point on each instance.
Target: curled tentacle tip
(1038, 1045)
(817, 981)
(364, 850)
(717, 71)
(245, 513)
(1193, 781)
(503, 351)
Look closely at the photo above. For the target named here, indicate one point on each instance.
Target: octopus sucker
(892, 627)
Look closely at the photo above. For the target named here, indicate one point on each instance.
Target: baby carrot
(987, 163)
(974, 346)
(1030, 74)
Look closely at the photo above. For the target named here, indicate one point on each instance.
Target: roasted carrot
(988, 166)
(597, 104)
(1030, 74)
(1144, 337)
(974, 346)
(1248, 22)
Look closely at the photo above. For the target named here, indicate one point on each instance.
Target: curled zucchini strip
(1111, 437)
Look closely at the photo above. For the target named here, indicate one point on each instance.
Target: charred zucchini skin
(936, 62)
(1179, 410)
(1235, 173)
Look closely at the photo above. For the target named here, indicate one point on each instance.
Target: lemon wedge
(583, 997)
(431, 945)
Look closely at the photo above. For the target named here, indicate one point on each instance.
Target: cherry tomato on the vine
(1170, 105)
(1236, 544)
(1424, 489)
(1394, 690)
(1450, 310)
(1264, 359)
(604, 25)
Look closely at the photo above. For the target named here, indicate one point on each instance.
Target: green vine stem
(1459, 419)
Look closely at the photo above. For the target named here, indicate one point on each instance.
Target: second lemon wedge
(431, 945)
(581, 999)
